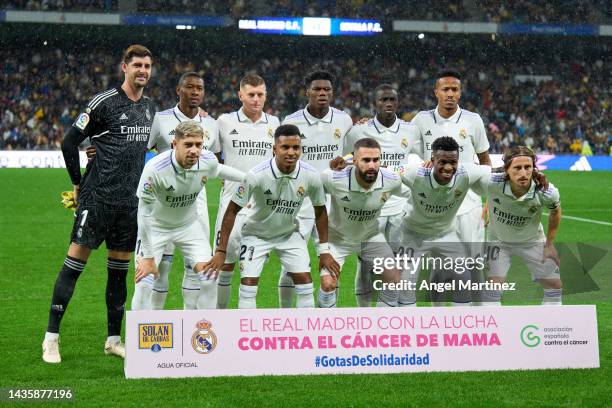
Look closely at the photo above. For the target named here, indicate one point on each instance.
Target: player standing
(358, 195)
(322, 130)
(397, 139)
(246, 137)
(118, 123)
(276, 189)
(169, 187)
(515, 205)
(190, 90)
(467, 128)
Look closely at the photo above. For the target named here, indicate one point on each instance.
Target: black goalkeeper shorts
(117, 227)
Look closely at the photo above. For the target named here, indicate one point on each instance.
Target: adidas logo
(345, 198)
(268, 192)
(171, 188)
(581, 165)
(302, 136)
(171, 133)
(123, 117)
(428, 133)
(233, 132)
(422, 195)
(496, 200)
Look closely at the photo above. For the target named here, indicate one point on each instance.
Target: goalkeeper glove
(68, 200)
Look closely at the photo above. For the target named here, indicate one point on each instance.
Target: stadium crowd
(553, 108)
(533, 11)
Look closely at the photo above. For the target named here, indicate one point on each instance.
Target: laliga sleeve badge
(203, 339)
(82, 121)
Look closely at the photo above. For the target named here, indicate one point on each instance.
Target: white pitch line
(569, 217)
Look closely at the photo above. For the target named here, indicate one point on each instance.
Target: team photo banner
(209, 343)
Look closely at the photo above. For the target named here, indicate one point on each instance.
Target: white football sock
(286, 289)
(224, 286)
(191, 288)
(208, 293)
(326, 299)
(142, 294)
(304, 294)
(247, 297)
(160, 286)
(552, 297)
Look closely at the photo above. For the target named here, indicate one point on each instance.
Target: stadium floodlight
(421, 36)
(185, 27)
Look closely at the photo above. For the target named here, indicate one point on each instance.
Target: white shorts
(191, 240)
(292, 250)
(446, 244)
(500, 255)
(377, 248)
(233, 244)
(471, 231)
(202, 209)
(391, 227)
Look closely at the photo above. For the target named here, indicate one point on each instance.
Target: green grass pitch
(35, 231)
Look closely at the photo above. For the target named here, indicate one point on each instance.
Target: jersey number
(244, 249)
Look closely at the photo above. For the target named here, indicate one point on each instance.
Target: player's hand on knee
(212, 267)
(328, 262)
(90, 151)
(550, 252)
(144, 267)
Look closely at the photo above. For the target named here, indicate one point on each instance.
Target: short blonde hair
(188, 128)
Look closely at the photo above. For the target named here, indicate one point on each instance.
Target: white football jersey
(172, 189)
(164, 123)
(467, 128)
(435, 206)
(276, 198)
(517, 219)
(322, 140)
(244, 143)
(396, 142)
(354, 210)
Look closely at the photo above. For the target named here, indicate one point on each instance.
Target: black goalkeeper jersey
(119, 130)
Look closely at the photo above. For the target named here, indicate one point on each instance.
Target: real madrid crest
(206, 135)
(463, 133)
(203, 180)
(300, 191)
(384, 197)
(404, 143)
(458, 193)
(337, 133)
(533, 209)
(203, 339)
(270, 133)
(148, 114)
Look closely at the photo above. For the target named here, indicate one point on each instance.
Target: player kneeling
(276, 189)
(515, 206)
(167, 192)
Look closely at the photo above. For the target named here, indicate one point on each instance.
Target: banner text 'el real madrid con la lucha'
(350, 340)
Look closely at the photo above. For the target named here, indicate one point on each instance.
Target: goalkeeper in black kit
(118, 122)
